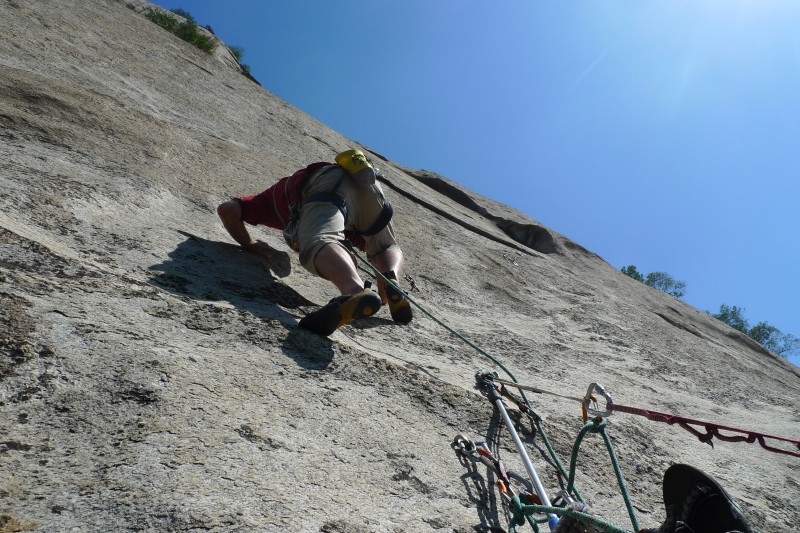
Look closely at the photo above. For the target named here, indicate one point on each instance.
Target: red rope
(711, 429)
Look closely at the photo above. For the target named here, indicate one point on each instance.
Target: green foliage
(733, 316)
(238, 53)
(210, 29)
(658, 280)
(781, 343)
(185, 14)
(631, 272)
(762, 332)
(186, 30)
(765, 334)
(666, 283)
(165, 20)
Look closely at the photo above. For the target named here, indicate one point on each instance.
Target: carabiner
(590, 402)
(463, 445)
(467, 448)
(528, 486)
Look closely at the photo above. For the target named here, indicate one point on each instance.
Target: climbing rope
(598, 425)
(564, 512)
(375, 273)
(572, 510)
(522, 403)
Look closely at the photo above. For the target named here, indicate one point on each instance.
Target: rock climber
(318, 207)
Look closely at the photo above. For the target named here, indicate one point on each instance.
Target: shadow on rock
(308, 350)
(372, 322)
(209, 270)
(478, 483)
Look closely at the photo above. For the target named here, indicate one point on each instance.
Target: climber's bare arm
(230, 213)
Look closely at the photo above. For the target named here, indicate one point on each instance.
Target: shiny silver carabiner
(590, 402)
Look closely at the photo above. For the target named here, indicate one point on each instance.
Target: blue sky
(663, 134)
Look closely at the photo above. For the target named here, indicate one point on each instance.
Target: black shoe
(399, 306)
(695, 503)
(340, 311)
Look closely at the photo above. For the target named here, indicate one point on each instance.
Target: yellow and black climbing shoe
(340, 311)
(399, 306)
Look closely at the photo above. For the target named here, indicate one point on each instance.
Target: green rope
(598, 425)
(555, 458)
(519, 516)
(562, 512)
(477, 348)
(519, 511)
(574, 457)
(622, 486)
(534, 523)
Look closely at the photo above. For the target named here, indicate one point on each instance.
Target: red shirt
(271, 207)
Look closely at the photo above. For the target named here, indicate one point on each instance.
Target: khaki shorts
(322, 223)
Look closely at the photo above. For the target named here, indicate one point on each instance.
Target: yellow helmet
(352, 161)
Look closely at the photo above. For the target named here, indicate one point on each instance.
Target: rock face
(152, 374)
(221, 52)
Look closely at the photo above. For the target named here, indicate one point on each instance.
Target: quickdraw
(496, 389)
(712, 430)
(478, 452)
(531, 503)
(484, 380)
(590, 406)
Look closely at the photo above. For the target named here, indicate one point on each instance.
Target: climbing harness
(384, 217)
(362, 174)
(530, 503)
(294, 204)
